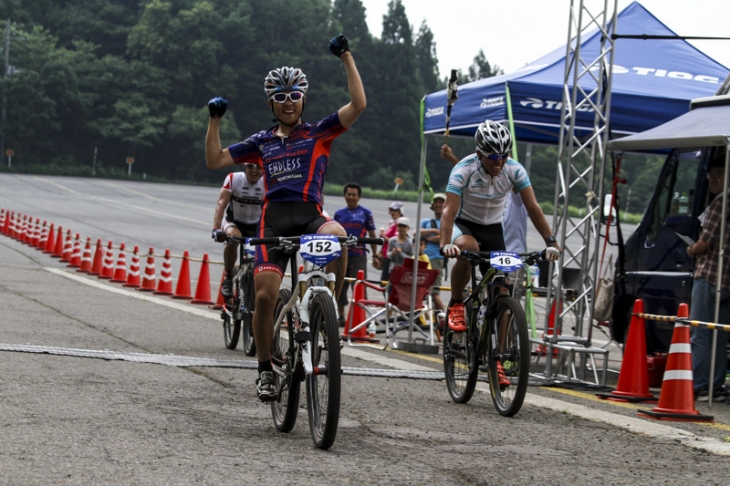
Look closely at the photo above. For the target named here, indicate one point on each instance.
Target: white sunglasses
(281, 97)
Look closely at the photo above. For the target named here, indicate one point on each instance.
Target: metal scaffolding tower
(580, 182)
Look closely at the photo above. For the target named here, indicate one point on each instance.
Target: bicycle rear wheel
(460, 363)
(508, 357)
(249, 346)
(324, 384)
(286, 375)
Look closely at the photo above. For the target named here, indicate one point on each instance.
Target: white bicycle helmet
(285, 78)
(493, 138)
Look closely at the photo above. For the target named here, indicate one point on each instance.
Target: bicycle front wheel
(231, 326)
(460, 364)
(508, 357)
(247, 290)
(324, 384)
(287, 378)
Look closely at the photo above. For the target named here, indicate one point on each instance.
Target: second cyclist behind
(240, 200)
(476, 194)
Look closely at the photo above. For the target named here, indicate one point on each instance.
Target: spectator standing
(431, 230)
(357, 221)
(704, 292)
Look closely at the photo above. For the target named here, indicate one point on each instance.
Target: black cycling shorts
(490, 237)
(247, 230)
(286, 219)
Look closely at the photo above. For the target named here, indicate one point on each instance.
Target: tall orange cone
(220, 300)
(202, 290)
(676, 400)
(164, 284)
(76, 254)
(633, 380)
(85, 266)
(148, 278)
(50, 241)
(25, 229)
(120, 269)
(356, 314)
(182, 289)
(133, 278)
(96, 265)
(107, 264)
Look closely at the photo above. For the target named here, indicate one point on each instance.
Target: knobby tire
(511, 347)
(324, 385)
(460, 360)
(284, 410)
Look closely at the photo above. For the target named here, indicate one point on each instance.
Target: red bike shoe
(503, 380)
(457, 323)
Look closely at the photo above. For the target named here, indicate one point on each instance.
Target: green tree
(481, 68)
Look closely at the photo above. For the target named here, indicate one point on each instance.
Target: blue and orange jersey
(294, 167)
(356, 222)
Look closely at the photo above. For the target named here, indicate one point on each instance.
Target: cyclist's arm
(453, 201)
(224, 198)
(536, 215)
(215, 156)
(349, 113)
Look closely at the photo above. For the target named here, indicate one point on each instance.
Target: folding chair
(393, 313)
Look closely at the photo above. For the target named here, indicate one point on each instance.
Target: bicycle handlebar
(346, 240)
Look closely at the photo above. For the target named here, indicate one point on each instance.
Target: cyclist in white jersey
(240, 199)
(476, 195)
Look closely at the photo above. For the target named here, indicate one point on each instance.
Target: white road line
(635, 425)
(208, 314)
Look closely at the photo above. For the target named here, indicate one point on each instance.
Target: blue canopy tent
(653, 82)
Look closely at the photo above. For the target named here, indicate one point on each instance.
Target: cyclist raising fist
(294, 156)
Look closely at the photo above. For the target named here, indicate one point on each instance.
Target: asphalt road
(104, 420)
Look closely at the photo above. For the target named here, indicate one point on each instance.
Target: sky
(513, 33)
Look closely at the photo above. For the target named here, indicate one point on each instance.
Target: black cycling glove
(339, 45)
(217, 107)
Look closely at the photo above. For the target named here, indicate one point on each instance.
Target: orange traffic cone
(182, 290)
(76, 255)
(220, 300)
(107, 265)
(5, 229)
(58, 249)
(96, 265)
(633, 380)
(356, 314)
(50, 241)
(133, 279)
(164, 284)
(68, 246)
(42, 237)
(676, 400)
(85, 265)
(202, 290)
(33, 232)
(120, 269)
(148, 279)
(24, 230)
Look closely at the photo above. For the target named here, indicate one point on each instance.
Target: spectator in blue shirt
(357, 221)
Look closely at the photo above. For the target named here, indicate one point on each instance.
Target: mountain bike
(496, 335)
(306, 344)
(238, 310)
